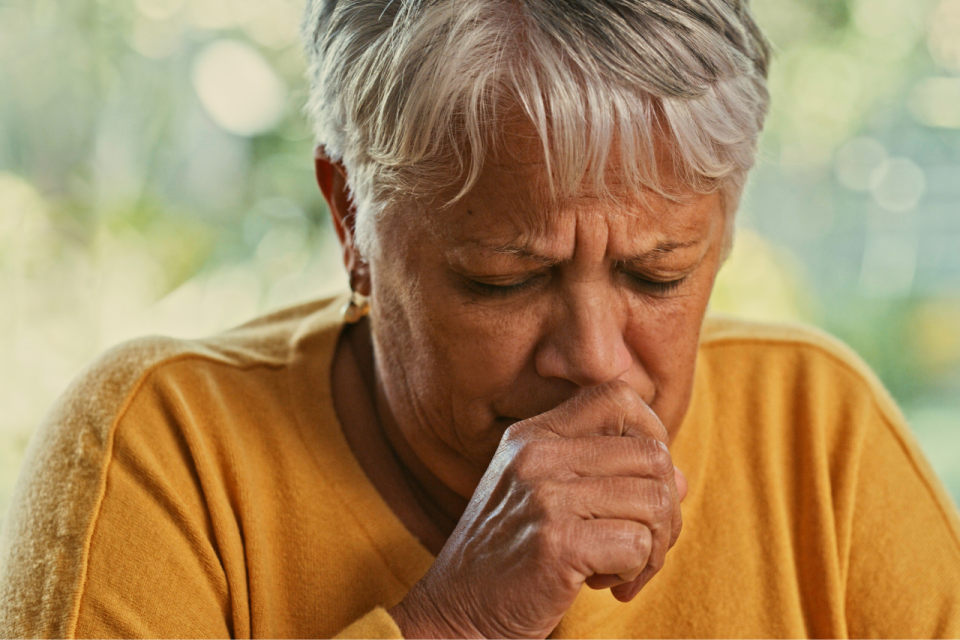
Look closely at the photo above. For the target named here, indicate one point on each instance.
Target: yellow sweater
(204, 488)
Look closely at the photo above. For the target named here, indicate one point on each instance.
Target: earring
(357, 307)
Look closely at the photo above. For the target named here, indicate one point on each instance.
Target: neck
(439, 504)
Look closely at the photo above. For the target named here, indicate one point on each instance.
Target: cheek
(456, 357)
(488, 349)
(665, 339)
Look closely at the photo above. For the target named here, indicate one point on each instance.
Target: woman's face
(502, 306)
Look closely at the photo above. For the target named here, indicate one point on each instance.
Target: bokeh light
(858, 161)
(238, 88)
(897, 184)
(944, 39)
(935, 102)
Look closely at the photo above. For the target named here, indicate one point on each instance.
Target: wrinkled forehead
(513, 201)
(513, 198)
(511, 208)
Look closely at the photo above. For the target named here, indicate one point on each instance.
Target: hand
(565, 501)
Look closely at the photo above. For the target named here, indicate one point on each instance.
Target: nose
(585, 343)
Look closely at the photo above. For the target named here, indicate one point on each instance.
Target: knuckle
(662, 502)
(661, 462)
(551, 423)
(657, 428)
(641, 544)
(624, 403)
(623, 394)
(527, 460)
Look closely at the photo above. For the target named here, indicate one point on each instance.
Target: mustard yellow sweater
(204, 488)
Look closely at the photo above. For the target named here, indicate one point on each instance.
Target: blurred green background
(156, 177)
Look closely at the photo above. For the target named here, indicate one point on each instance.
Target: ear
(332, 178)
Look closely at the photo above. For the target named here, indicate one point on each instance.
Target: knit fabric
(205, 489)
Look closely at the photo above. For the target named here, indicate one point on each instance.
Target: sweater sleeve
(158, 563)
(904, 551)
(68, 487)
(375, 624)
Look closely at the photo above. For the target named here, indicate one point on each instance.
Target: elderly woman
(520, 396)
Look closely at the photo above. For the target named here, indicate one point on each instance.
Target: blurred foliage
(156, 177)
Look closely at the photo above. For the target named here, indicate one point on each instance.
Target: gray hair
(410, 94)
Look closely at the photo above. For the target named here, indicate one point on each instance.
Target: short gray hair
(409, 94)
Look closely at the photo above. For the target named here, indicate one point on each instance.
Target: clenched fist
(584, 493)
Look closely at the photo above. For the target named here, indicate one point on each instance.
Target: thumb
(681, 483)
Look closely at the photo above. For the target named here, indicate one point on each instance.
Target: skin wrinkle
(508, 308)
(517, 222)
(401, 446)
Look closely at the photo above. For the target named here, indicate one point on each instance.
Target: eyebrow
(663, 248)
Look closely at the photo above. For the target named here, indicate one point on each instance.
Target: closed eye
(501, 290)
(660, 288)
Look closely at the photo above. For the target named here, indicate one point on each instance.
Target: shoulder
(813, 404)
(46, 534)
(799, 387)
(60, 486)
(790, 359)
(793, 394)
(778, 340)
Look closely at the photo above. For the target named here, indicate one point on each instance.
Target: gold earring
(356, 309)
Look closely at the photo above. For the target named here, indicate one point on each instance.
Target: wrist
(420, 616)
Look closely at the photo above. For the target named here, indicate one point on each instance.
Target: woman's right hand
(584, 493)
